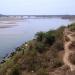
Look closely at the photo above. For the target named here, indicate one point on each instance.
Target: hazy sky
(36, 7)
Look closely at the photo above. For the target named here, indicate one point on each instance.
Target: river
(15, 33)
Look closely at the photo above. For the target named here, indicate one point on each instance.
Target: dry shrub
(72, 46)
(72, 58)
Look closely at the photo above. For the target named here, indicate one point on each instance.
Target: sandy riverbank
(7, 24)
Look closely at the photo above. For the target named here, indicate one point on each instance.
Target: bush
(72, 27)
(59, 33)
(12, 54)
(49, 37)
(40, 47)
(58, 46)
(42, 71)
(18, 49)
(30, 61)
(55, 63)
(15, 70)
(40, 36)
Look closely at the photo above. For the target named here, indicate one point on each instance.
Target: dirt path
(68, 51)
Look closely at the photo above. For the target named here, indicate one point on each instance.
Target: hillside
(47, 54)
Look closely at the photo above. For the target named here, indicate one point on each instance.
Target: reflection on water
(24, 30)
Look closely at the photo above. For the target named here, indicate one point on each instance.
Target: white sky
(37, 7)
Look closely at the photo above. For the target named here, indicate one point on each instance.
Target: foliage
(72, 27)
(15, 70)
(42, 71)
(40, 36)
(49, 37)
(40, 47)
(58, 46)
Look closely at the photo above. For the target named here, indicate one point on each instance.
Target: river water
(15, 33)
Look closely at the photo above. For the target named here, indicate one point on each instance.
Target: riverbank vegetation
(39, 56)
(72, 27)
